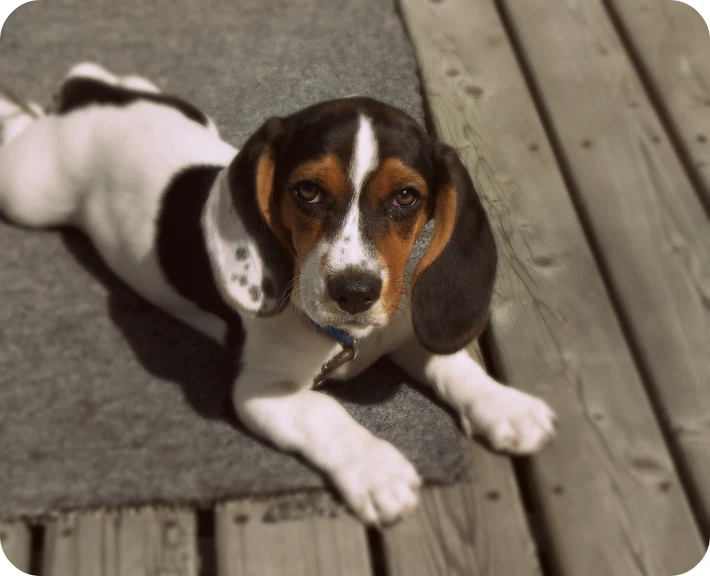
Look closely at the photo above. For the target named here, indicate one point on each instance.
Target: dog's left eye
(406, 198)
(308, 192)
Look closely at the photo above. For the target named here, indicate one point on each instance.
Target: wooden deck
(586, 125)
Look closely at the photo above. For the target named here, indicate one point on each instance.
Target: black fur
(180, 244)
(451, 297)
(77, 93)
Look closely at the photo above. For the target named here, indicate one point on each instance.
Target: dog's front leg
(376, 481)
(508, 419)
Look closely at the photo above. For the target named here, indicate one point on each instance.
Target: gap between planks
(670, 45)
(606, 490)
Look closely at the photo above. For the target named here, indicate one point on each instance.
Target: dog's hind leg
(32, 192)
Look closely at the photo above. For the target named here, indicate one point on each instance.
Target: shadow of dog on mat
(174, 352)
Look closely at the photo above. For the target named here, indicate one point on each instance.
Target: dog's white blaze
(349, 248)
(364, 155)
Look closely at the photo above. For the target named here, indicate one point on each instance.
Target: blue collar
(335, 333)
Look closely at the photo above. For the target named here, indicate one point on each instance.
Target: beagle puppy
(294, 251)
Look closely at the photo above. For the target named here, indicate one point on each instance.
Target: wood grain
(672, 44)
(607, 492)
(16, 544)
(145, 542)
(299, 535)
(652, 233)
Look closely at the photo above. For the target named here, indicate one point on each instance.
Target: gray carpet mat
(104, 401)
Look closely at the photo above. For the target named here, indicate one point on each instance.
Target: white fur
(349, 247)
(103, 170)
(508, 419)
(225, 234)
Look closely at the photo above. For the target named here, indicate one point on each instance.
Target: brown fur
(395, 245)
(305, 231)
(445, 216)
(264, 196)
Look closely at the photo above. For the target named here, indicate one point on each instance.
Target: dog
(295, 251)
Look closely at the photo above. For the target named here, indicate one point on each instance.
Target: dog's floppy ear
(247, 244)
(453, 282)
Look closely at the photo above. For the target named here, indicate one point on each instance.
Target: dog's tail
(15, 114)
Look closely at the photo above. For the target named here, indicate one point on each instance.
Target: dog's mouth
(347, 322)
(356, 329)
(357, 325)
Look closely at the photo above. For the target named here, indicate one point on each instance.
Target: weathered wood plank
(142, 542)
(608, 494)
(16, 544)
(648, 223)
(468, 529)
(299, 535)
(671, 41)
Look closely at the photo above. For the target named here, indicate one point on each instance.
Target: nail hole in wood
(240, 518)
(452, 72)
(559, 490)
(586, 143)
(493, 495)
(533, 146)
(702, 138)
(474, 91)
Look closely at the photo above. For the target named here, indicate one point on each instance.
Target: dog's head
(332, 199)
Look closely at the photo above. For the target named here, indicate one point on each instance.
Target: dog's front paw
(379, 484)
(510, 420)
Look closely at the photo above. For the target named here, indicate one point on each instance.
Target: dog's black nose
(354, 292)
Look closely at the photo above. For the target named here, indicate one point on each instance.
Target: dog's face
(351, 203)
(343, 189)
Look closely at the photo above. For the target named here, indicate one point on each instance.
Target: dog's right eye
(308, 192)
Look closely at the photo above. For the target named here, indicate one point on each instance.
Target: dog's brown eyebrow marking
(392, 175)
(327, 171)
